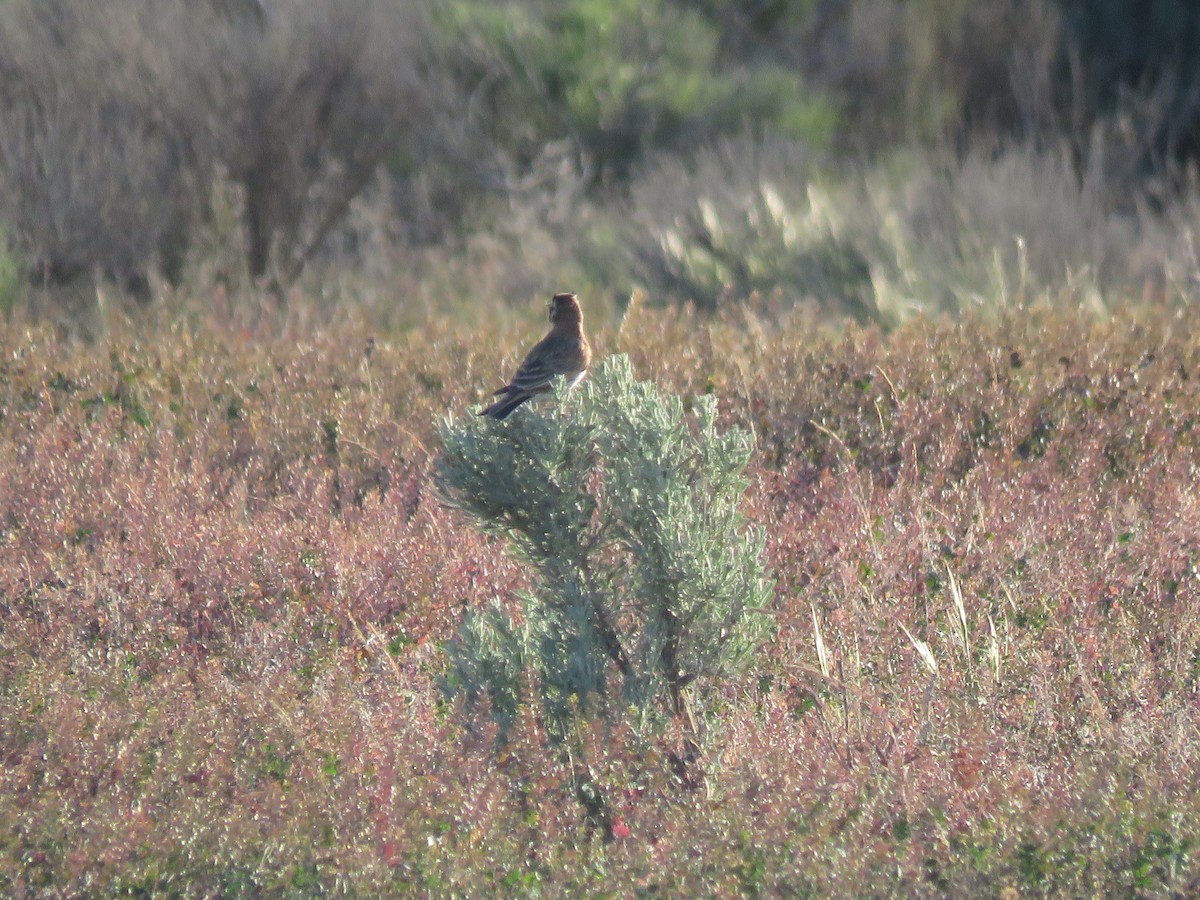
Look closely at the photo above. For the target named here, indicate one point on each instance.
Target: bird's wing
(539, 367)
(532, 375)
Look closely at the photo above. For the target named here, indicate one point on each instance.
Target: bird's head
(565, 308)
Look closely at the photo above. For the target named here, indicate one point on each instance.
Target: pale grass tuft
(923, 650)
(994, 651)
(822, 652)
(960, 609)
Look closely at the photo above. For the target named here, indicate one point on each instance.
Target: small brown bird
(564, 351)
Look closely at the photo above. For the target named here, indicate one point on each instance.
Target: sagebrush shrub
(649, 583)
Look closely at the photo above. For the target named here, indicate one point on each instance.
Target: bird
(564, 351)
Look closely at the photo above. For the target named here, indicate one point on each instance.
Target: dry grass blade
(960, 610)
(822, 652)
(994, 651)
(923, 650)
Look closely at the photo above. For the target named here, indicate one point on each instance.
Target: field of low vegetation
(865, 563)
(228, 583)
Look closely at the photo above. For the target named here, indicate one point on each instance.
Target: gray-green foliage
(649, 581)
(745, 217)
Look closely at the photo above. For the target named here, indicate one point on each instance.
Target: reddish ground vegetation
(226, 577)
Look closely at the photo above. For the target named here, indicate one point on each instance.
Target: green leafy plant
(618, 78)
(10, 276)
(649, 582)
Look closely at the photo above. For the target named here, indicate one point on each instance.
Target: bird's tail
(503, 408)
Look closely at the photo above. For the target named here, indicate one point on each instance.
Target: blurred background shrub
(869, 157)
(117, 120)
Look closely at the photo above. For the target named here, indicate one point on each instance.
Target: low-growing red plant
(225, 583)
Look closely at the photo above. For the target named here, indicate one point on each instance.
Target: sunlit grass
(226, 580)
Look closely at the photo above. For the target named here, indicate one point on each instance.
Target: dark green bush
(619, 79)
